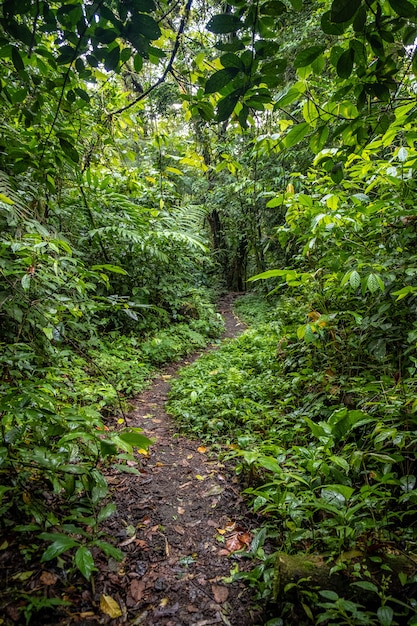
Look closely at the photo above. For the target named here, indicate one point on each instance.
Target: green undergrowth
(326, 450)
(62, 410)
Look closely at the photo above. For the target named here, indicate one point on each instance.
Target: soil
(181, 524)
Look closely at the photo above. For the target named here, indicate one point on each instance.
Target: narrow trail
(178, 523)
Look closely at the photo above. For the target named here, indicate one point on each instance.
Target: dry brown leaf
(137, 587)
(220, 593)
(48, 578)
(179, 529)
(215, 490)
(180, 510)
(110, 607)
(223, 552)
(238, 541)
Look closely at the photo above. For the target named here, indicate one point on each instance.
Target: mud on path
(179, 524)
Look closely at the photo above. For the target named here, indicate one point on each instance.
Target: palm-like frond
(11, 203)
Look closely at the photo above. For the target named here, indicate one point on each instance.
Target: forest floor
(180, 524)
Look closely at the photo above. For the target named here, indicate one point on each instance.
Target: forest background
(152, 152)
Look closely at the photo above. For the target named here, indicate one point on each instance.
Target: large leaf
(297, 134)
(403, 8)
(308, 55)
(226, 106)
(60, 544)
(344, 10)
(220, 79)
(224, 23)
(84, 561)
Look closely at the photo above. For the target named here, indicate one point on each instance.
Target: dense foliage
(151, 151)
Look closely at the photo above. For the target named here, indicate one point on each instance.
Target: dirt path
(178, 524)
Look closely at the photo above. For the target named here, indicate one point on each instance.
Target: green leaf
(106, 511)
(134, 438)
(220, 79)
(296, 134)
(344, 10)
(345, 64)
(17, 59)
(84, 561)
(224, 23)
(115, 269)
(403, 8)
(146, 25)
(308, 55)
(318, 140)
(69, 150)
(231, 60)
(112, 58)
(365, 584)
(354, 279)
(385, 615)
(61, 543)
(25, 281)
(226, 106)
(329, 27)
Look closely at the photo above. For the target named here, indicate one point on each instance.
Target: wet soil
(181, 524)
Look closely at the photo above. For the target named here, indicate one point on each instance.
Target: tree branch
(169, 66)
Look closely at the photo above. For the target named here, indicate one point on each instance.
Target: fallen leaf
(223, 552)
(220, 593)
(199, 477)
(190, 456)
(4, 545)
(238, 541)
(159, 464)
(156, 421)
(164, 602)
(22, 576)
(216, 490)
(202, 449)
(179, 529)
(48, 578)
(166, 376)
(121, 420)
(137, 587)
(110, 607)
(143, 451)
(128, 541)
(87, 614)
(221, 531)
(180, 510)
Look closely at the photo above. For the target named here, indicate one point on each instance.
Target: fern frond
(11, 202)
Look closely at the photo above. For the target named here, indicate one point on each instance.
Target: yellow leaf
(26, 498)
(110, 607)
(4, 545)
(221, 531)
(199, 477)
(201, 449)
(120, 421)
(164, 602)
(143, 451)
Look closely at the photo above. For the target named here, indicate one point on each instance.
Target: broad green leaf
(329, 27)
(224, 23)
(345, 64)
(375, 282)
(296, 134)
(135, 439)
(385, 615)
(344, 10)
(84, 561)
(26, 281)
(231, 60)
(220, 79)
(17, 59)
(226, 106)
(69, 150)
(138, 63)
(365, 584)
(61, 544)
(319, 138)
(106, 511)
(146, 25)
(112, 58)
(404, 8)
(354, 279)
(308, 55)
